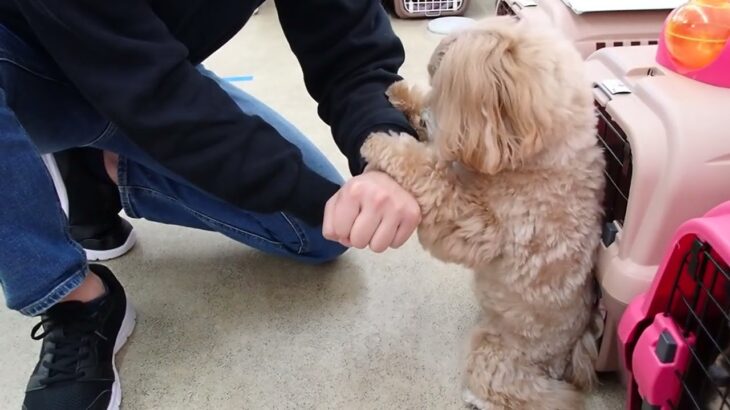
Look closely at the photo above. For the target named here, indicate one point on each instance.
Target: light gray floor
(223, 327)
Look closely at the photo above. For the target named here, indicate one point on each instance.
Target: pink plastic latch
(660, 356)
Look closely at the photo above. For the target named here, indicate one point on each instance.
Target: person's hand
(371, 210)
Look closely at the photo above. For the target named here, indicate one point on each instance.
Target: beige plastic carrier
(591, 31)
(667, 145)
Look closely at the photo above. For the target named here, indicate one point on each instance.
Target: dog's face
(503, 91)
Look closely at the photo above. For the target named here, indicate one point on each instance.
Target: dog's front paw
(410, 100)
(376, 148)
(399, 94)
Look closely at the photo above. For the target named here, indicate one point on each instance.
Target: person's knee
(334, 251)
(327, 252)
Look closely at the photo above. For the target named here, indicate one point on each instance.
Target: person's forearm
(350, 56)
(125, 62)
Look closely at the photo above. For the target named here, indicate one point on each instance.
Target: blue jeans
(40, 112)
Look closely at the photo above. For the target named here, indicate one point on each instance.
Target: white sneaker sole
(106, 255)
(130, 319)
(57, 180)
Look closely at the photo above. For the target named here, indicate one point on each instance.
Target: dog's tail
(581, 368)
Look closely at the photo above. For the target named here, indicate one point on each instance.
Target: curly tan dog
(510, 184)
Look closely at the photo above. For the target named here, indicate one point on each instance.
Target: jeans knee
(328, 252)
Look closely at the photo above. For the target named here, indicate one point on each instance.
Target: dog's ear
(488, 106)
(438, 54)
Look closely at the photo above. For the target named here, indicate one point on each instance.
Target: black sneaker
(76, 369)
(93, 203)
(102, 242)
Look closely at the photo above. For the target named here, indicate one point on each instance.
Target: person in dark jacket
(184, 148)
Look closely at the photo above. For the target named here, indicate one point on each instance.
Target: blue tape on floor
(239, 78)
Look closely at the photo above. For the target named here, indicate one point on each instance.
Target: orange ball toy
(697, 32)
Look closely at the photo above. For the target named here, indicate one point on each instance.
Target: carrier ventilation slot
(624, 43)
(503, 9)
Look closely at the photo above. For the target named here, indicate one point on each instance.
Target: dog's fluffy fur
(510, 185)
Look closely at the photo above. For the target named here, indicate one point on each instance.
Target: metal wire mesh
(699, 301)
(617, 151)
(432, 6)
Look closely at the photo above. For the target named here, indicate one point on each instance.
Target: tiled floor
(223, 327)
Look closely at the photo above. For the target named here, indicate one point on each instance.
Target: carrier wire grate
(619, 168)
(699, 303)
(431, 6)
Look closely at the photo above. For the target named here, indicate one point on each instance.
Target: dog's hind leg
(498, 379)
(581, 371)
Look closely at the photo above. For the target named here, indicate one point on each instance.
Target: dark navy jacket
(134, 62)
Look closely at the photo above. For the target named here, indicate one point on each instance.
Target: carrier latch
(613, 86)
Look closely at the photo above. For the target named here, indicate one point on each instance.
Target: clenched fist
(371, 210)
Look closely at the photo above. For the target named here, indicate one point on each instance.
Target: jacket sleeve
(350, 55)
(123, 59)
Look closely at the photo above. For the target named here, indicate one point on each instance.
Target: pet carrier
(429, 8)
(667, 150)
(595, 28)
(675, 337)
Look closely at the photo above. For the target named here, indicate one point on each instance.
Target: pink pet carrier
(675, 337)
(594, 30)
(668, 160)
